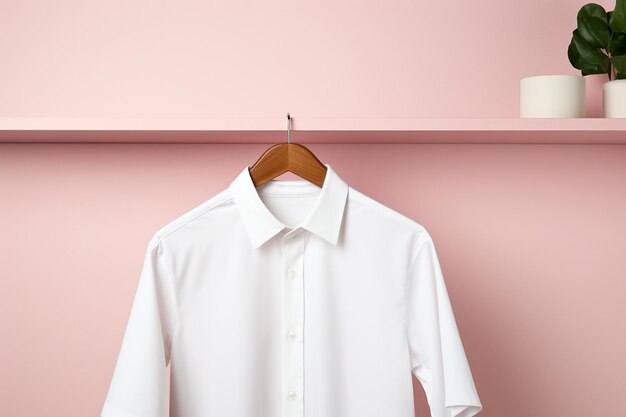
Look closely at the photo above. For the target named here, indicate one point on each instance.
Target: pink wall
(242, 59)
(531, 240)
(531, 237)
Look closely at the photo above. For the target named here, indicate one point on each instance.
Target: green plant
(598, 44)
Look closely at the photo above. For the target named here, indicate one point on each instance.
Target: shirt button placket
(293, 325)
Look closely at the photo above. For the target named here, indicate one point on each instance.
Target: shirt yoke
(225, 197)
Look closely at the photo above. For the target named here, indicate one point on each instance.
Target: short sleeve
(139, 386)
(438, 359)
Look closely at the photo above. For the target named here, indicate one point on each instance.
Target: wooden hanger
(288, 156)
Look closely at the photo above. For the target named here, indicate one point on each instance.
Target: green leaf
(585, 57)
(593, 25)
(574, 57)
(617, 19)
(619, 62)
(617, 45)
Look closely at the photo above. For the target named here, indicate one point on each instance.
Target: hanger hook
(288, 128)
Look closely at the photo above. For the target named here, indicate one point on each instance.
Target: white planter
(614, 98)
(552, 96)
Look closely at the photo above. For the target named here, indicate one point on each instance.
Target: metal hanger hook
(288, 128)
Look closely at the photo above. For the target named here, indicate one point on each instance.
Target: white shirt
(290, 300)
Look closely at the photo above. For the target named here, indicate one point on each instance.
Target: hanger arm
(288, 156)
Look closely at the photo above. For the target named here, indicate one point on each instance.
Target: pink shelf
(313, 130)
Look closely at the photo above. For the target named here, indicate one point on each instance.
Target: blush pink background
(247, 59)
(531, 238)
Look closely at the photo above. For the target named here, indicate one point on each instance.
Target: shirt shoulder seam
(383, 209)
(409, 276)
(173, 284)
(163, 232)
(418, 250)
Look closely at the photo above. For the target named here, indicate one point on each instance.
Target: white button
(292, 335)
(292, 274)
(292, 395)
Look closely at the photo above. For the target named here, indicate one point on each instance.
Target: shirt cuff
(464, 410)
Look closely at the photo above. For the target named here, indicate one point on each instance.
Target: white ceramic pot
(614, 98)
(552, 96)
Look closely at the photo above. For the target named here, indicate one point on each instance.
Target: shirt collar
(324, 219)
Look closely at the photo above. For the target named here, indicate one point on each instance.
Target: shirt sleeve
(438, 359)
(139, 386)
